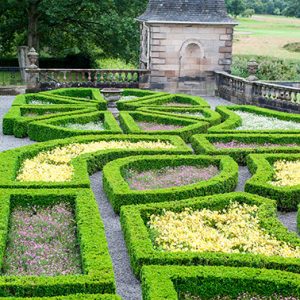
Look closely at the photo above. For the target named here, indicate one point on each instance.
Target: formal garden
(167, 169)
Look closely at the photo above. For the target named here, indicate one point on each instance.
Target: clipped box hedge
(80, 94)
(54, 128)
(15, 121)
(261, 166)
(208, 115)
(11, 161)
(69, 297)
(232, 120)
(128, 123)
(119, 193)
(162, 99)
(168, 282)
(142, 251)
(204, 144)
(97, 276)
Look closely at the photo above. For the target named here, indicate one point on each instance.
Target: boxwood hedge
(69, 297)
(204, 113)
(231, 120)
(261, 166)
(15, 122)
(204, 144)
(11, 161)
(119, 193)
(97, 272)
(55, 128)
(142, 251)
(128, 123)
(209, 282)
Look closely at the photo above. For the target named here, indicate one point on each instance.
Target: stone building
(183, 42)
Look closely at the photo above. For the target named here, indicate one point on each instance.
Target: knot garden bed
(57, 171)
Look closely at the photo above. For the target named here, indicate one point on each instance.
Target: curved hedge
(11, 161)
(129, 125)
(119, 192)
(204, 144)
(97, 276)
(69, 297)
(142, 251)
(54, 128)
(208, 115)
(261, 166)
(166, 282)
(232, 120)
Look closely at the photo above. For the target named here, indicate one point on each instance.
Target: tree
(235, 7)
(292, 8)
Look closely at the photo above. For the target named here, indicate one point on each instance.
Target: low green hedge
(142, 252)
(168, 282)
(190, 127)
(204, 144)
(69, 297)
(298, 219)
(232, 120)
(80, 94)
(119, 193)
(11, 161)
(16, 123)
(208, 115)
(261, 166)
(53, 129)
(161, 99)
(138, 92)
(97, 276)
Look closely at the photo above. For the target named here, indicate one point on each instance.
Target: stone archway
(191, 57)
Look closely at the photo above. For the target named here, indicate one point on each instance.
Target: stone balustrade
(242, 91)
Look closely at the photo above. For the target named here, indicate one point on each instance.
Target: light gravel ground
(216, 101)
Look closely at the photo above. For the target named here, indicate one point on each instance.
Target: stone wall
(183, 57)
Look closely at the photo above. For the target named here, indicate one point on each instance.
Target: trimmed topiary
(168, 282)
(54, 128)
(119, 193)
(205, 144)
(142, 251)
(185, 128)
(261, 166)
(69, 297)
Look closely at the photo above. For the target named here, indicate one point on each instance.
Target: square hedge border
(203, 144)
(11, 160)
(53, 128)
(69, 297)
(232, 120)
(261, 166)
(142, 251)
(129, 125)
(210, 116)
(14, 123)
(160, 99)
(80, 94)
(119, 193)
(97, 277)
(166, 282)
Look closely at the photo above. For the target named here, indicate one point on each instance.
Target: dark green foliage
(128, 123)
(203, 144)
(261, 166)
(142, 251)
(166, 282)
(97, 274)
(119, 192)
(69, 297)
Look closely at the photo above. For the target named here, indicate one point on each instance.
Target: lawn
(266, 36)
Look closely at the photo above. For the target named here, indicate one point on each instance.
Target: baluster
(89, 76)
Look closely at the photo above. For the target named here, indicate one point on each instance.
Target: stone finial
(33, 58)
(252, 67)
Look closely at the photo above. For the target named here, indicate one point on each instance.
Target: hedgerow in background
(262, 181)
(134, 219)
(209, 282)
(239, 145)
(119, 193)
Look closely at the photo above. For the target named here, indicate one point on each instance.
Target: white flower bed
(87, 126)
(252, 121)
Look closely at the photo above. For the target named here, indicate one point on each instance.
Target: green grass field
(266, 35)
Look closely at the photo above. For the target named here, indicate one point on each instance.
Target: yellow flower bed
(233, 230)
(287, 173)
(55, 165)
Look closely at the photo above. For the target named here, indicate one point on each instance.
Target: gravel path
(128, 287)
(216, 101)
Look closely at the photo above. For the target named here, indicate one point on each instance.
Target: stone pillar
(23, 61)
(252, 69)
(32, 72)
